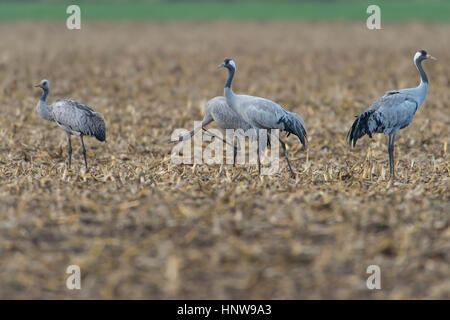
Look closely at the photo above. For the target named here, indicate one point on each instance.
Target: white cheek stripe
(417, 55)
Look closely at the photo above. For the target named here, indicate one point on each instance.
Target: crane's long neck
(423, 75)
(228, 92)
(423, 86)
(43, 109)
(230, 78)
(44, 95)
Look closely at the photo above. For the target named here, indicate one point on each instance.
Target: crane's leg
(391, 155)
(283, 145)
(234, 155)
(70, 149)
(215, 136)
(188, 136)
(258, 151)
(84, 153)
(235, 150)
(191, 133)
(206, 120)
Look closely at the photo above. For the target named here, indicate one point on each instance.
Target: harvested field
(140, 227)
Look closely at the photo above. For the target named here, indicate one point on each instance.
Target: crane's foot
(392, 174)
(290, 168)
(84, 171)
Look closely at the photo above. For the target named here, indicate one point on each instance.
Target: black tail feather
(101, 136)
(359, 128)
(294, 124)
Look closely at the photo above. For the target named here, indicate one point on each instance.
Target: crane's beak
(429, 56)
(38, 86)
(221, 65)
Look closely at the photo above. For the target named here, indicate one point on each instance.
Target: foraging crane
(392, 112)
(73, 117)
(217, 110)
(261, 113)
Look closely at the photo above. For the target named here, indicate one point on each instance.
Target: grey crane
(392, 112)
(261, 113)
(217, 110)
(73, 117)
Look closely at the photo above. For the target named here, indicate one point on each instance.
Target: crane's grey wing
(267, 114)
(261, 112)
(397, 115)
(78, 118)
(224, 115)
(388, 114)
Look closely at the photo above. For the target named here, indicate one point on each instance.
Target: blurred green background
(391, 10)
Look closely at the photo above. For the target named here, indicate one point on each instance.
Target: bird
(261, 113)
(73, 117)
(392, 112)
(217, 110)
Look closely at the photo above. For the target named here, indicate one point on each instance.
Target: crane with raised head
(261, 113)
(392, 112)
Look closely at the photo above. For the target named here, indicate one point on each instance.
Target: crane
(73, 117)
(261, 113)
(392, 112)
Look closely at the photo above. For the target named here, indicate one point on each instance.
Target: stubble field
(140, 227)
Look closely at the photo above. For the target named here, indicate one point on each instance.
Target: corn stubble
(140, 227)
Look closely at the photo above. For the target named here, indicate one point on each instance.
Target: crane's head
(422, 55)
(229, 64)
(44, 85)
